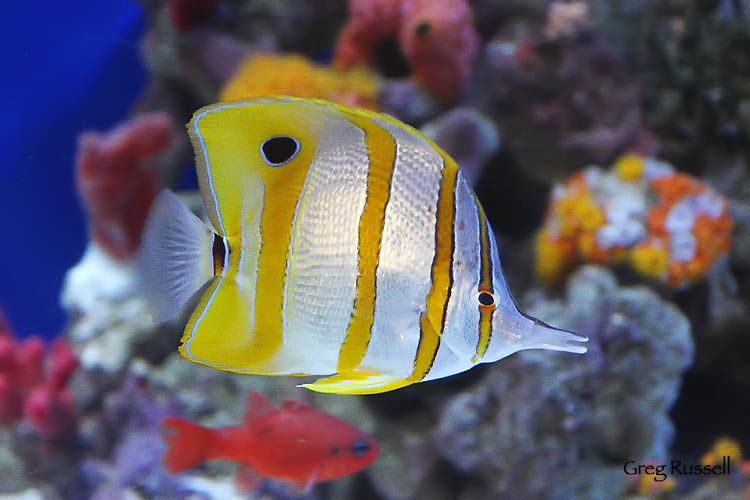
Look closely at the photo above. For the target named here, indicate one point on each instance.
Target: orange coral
(437, 38)
(667, 225)
(266, 74)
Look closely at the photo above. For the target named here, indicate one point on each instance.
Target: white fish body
(345, 244)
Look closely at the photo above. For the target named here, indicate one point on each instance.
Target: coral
(693, 60)
(33, 386)
(191, 65)
(560, 92)
(565, 19)
(117, 179)
(127, 444)
(110, 321)
(186, 14)
(646, 483)
(437, 38)
(40, 420)
(667, 225)
(107, 316)
(266, 74)
(723, 447)
(539, 420)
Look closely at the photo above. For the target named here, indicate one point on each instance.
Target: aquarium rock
(468, 136)
(542, 418)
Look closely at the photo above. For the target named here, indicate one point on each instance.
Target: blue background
(69, 66)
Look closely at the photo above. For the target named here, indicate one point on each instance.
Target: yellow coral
(566, 213)
(647, 485)
(629, 167)
(723, 447)
(589, 215)
(649, 259)
(266, 74)
(554, 257)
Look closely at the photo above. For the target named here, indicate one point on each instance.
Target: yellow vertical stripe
(276, 225)
(441, 274)
(429, 342)
(381, 148)
(485, 283)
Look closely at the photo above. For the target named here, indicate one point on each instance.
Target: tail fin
(176, 256)
(188, 446)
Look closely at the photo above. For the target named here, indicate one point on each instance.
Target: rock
(468, 136)
(543, 417)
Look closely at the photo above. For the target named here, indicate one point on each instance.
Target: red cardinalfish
(295, 443)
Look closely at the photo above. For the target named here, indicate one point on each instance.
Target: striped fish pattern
(342, 243)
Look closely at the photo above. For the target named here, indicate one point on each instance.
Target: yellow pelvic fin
(357, 382)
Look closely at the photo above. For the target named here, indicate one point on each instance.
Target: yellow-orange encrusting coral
(668, 226)
(722, 447)
(437, 38)
(268, 74)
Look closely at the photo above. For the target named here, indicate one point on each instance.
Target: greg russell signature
(676, 468)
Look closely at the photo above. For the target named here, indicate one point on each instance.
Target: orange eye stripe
(485, 285)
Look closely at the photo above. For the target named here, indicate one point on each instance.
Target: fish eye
(486, 299)
(361, 447)
(279, 149)
(422, 29)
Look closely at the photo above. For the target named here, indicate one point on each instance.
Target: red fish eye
(335, 450)
(361, 447)
(422, 29)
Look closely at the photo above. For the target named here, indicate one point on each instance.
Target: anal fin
(357, 382)
(246, 480)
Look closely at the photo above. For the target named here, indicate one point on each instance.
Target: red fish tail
(188, 445)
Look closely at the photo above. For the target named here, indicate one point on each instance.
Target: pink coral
(117, 179)
(437, 38)
(33, 384)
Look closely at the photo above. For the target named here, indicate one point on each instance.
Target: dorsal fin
(257, 406)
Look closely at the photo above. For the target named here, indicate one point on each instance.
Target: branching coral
(33, 385)
(437, 38)
(266, 74)
(667, 225)
(117, 179)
